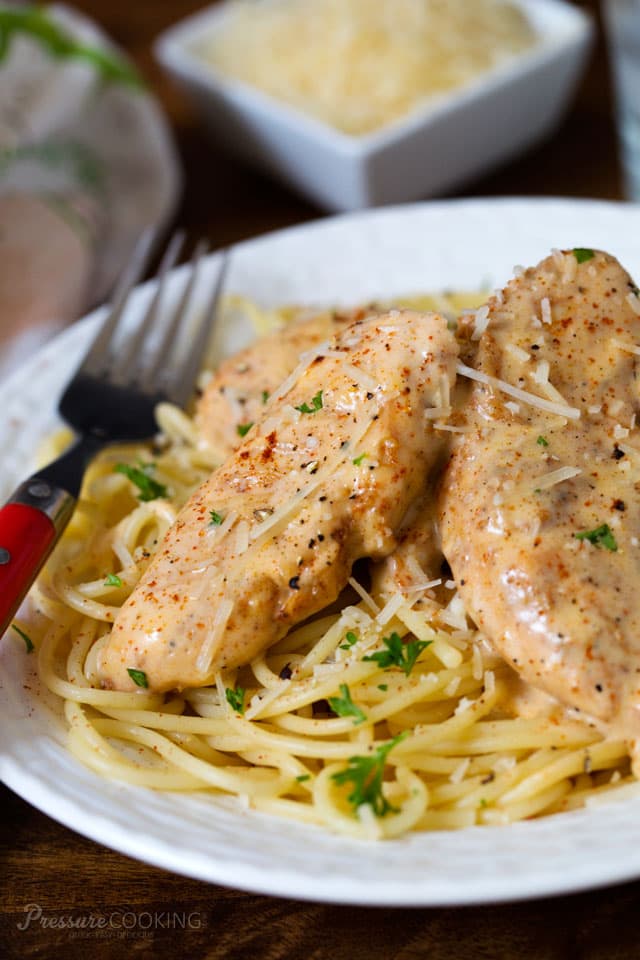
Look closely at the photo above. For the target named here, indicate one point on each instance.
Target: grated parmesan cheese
(634, 302)
(451, 428)
(437, 413)
(627, 347)
(503, 764)
(222, 614)
(390, 609)
(454, 613)
(366, 382)
(541, 372)
(478, 665)
(556, 476)
(358, 65)
(365, 596)
(571, 268)
(242, 537)
(463, 705)
(422, 587)
(481, 322)
(517, 352)
(562, 410)
(545, 310)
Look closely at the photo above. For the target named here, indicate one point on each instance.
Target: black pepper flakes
(294, 583)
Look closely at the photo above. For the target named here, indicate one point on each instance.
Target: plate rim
(281, 881)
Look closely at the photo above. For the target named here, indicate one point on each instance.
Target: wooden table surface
(58, 874)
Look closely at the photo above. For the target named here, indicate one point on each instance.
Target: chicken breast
(417, 557)
(325, 477)
(241, 386)
(538, 508)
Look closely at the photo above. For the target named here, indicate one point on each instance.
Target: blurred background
(228, 201)
(163, 168)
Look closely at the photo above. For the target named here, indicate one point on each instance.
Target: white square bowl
(439, 145)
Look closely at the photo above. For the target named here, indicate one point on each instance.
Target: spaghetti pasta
(374, 719)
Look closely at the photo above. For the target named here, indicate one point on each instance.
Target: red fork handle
(30, 525)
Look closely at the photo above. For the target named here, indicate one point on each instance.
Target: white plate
(346, 259)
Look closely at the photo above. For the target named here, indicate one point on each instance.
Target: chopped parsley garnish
(265, 396)
(602, 536)
(398, 653)
(349, 640)
(113, 580)
(582, 254)
(358, 460)
(216, 518)
(139, 677)
(243, 428)
(28, 642)
(383, 686)
(235, 698)
(365, 774)
(542, 442)
(345, 707)
(303, 778)
(316, 404)
(149, 488)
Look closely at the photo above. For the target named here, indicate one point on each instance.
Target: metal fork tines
(126, 373)
(112, 398)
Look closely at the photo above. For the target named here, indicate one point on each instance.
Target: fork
(110, 399)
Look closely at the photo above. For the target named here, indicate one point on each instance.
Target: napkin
(86, 165)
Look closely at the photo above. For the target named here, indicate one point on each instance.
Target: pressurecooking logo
(116, 923)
